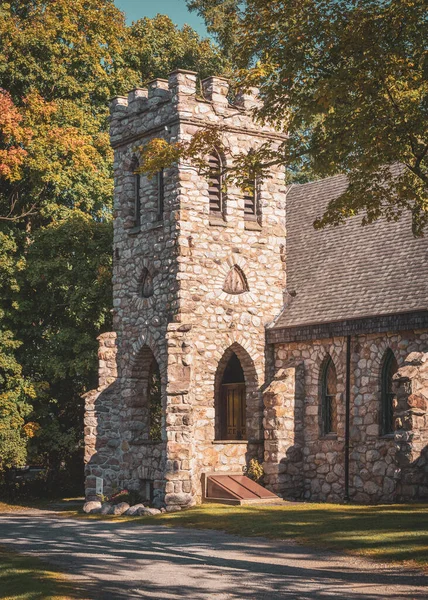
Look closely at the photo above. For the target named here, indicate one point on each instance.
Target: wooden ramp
(236, 489)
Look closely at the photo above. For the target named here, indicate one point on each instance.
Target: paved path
(117, 561)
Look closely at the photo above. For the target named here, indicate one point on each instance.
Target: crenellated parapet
(145, 111)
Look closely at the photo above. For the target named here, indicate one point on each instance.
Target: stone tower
(198, 274)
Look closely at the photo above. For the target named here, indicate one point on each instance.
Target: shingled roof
(349, 271)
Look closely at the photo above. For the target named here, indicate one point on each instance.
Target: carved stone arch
(236, 281)
(253, 400)
(383, 346)
(338, 358)
(146, 339)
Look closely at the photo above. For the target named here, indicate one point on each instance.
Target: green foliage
(60, 63)
(63, 304)
(222, 21)
(255, 470)
(15, 390)
(347, 81)
(156, 47)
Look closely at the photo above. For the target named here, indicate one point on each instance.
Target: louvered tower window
(215, 183)
(250, 200)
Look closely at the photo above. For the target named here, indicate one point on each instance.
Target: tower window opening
(250, 199)
(215, 184)
(161, 194)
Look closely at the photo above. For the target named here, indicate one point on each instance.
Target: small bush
(255, 470)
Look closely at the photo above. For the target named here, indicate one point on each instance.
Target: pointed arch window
(329, 397)
(215, 184)
(230, 402)
(389, 368)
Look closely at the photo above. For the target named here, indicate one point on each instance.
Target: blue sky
(176, 9)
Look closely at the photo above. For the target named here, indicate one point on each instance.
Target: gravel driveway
(109, 560)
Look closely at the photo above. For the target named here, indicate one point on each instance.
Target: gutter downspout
(347, 415)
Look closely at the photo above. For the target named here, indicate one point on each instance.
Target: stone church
(242, 332)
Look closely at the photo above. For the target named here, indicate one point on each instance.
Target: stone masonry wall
(189, 323)
(101, 421)
(411, 435)
(381, 467)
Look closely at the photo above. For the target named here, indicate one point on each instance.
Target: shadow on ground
(110, 560)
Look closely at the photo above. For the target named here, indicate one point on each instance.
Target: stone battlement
(149, 110)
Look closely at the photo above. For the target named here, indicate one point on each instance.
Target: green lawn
(27, 578)
(390, 533)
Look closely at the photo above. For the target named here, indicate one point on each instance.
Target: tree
(346, 79)
(222, 18)
(15, 390)
(156, 47)
(60, 63)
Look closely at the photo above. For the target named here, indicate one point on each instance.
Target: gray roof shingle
(349, 271)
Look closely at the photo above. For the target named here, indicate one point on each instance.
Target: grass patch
(27, 578)
(60, 504)
(389, 533)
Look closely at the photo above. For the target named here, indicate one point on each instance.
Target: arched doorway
(231, 402)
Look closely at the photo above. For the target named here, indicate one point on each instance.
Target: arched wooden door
(232, 402)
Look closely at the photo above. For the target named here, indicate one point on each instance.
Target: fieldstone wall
(411, 434)
(283, 432)
(382, 468)
(102, 421)
(169, 275)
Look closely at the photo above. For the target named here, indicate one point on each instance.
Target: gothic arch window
(389, 368)
(137, 191)
(146, 284)
(215, 184)
(230, 402)
(329, 397)
(144, 400)
(235, 282)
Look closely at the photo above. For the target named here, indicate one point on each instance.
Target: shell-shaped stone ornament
(235, 282)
